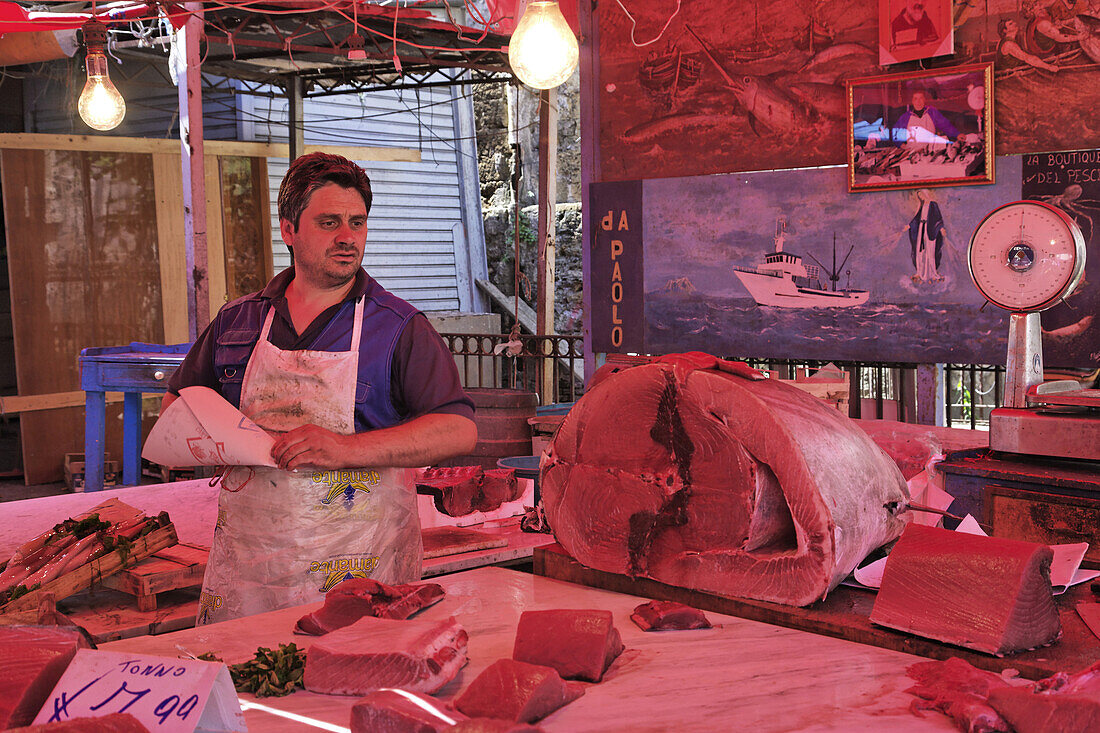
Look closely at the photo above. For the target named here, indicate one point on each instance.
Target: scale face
(1026, 256)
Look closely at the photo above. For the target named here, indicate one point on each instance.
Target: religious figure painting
(914, 29)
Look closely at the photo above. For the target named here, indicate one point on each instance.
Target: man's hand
(310, 446)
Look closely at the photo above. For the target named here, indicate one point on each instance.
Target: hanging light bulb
(543, 50)
(100, 104)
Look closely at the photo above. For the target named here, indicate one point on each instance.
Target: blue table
(133, 370)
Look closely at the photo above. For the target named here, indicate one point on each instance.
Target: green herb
(20, 590)
(271, 673)
(124, 547)
(209, 657)
(80, 528)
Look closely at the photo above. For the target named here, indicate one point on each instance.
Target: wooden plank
(441, 541)
(92, 573)
(15, 404)
(110, 144)
(170, 245)
(78, 227)
(185, 554)
(845, 614)
(215, 243)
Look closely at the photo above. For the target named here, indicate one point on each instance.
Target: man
(347, 376)
(912, 26)
(924, 125)
(1010, 55)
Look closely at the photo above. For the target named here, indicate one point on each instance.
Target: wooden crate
(1047, 518)
(97, 570)
(74, 471)
(178, 566)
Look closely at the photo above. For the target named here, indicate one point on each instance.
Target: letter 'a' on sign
(622, 222)
(166, 694)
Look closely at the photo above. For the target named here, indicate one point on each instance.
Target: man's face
(332, 233)
(918, 101)
(915, 9)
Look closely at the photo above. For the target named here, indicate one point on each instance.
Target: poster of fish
(782, 263)
(688, 87)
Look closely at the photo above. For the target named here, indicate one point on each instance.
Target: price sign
(165, 694)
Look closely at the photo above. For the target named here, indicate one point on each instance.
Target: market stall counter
(741, 674)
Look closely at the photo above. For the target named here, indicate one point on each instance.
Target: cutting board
(845, 614)
(441, 541)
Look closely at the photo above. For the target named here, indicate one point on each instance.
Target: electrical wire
(634, 24)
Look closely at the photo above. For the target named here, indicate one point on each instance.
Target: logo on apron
(342, 568)
(345, 484)
(208, 603)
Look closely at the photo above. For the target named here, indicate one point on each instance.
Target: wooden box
(1037, 516)
(74, 471)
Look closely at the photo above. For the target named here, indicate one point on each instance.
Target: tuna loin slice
(461, 490)
(984, 593)
(579, 644)
(419, 656)
(492, 725)
(516, 691)
(34, 658)
(959, 690)
(398, 711)
(715, 482)
(667, 616)
(113, 723)
(1060, 703)
(355, 598)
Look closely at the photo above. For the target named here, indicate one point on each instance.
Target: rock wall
(495, 165)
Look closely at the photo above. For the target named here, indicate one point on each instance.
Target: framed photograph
(921, 129)
(914, 29)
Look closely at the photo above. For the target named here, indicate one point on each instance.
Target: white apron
(284, 538)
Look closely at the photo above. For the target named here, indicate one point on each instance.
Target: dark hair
(310, 172)
(1001, 25)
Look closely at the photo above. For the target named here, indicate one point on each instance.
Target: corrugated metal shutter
(416, 221)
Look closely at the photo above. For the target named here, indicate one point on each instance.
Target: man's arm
(421, 441)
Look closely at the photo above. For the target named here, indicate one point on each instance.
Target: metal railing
(496, 360)
(972, 393)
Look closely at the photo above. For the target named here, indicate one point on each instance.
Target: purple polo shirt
(424, 379)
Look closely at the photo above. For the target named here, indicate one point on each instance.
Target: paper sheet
(202, 429)
(1065, 569)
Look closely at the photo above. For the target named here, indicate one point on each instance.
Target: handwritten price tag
(165, 694)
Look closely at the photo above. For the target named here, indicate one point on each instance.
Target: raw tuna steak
(398, 711)
(1062, 703)
(959, 690)
(667, 616)
(461, 490)
(984, 593)
(32, 660)
(710, 480)
(113, 723)
(579, 644)
(516, 691)
(355, 598)
(492, 725)
(418, 656)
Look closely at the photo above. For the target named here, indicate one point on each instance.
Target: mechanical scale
(1025, 257)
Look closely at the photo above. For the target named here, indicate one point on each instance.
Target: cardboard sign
(165, 694)
(202, 429)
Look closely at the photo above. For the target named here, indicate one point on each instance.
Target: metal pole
(548, 196)
(189, 83)
(295, 114)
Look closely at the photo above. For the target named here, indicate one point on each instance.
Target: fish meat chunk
(1062, 703)
(492, 725)
(34, 658)
(667, 616)
(516, 691)
(399, 711)
(462, 490)
(985, 593)
(418, 656)
(579, 644)
(959, 690)
(711, 480)
(355, 598)
(113, 723)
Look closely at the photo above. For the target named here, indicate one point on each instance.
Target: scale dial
(1026, 256)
